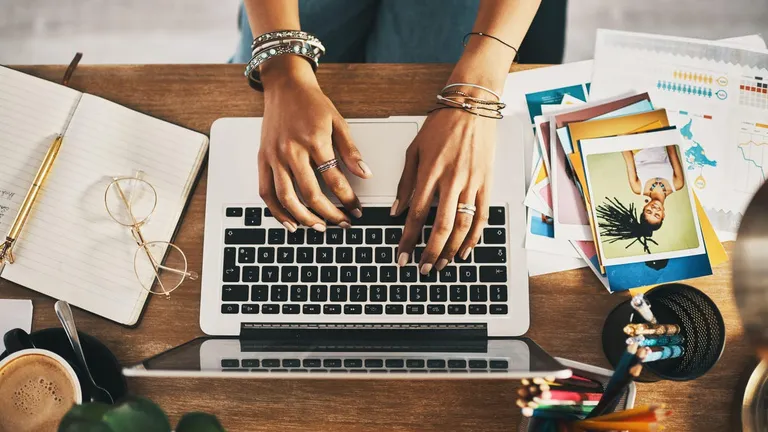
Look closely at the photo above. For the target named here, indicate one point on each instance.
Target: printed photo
(642, 204)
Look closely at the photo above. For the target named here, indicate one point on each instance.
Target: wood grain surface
(567, 309)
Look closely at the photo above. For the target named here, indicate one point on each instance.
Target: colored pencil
(570, 396)
(641, 305)
(620, 426)
(630, 413)
(651, 329)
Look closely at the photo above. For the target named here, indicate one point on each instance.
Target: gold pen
(6, 250)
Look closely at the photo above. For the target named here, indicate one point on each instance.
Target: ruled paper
(71, 249)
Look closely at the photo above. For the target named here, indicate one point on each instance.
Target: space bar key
(378, 216)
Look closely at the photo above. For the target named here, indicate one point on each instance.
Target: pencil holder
(701, 326)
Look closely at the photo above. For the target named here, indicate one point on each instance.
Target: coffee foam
(35, 393)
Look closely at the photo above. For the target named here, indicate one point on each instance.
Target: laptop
(275, 302)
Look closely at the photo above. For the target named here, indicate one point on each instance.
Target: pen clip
(6, 251)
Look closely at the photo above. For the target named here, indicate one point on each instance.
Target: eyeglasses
(131, 201)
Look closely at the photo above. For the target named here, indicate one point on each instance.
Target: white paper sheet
(14, 314)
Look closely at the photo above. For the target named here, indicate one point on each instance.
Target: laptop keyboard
(268, 270)
(365, 365)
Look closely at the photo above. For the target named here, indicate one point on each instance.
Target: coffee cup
(37, 388)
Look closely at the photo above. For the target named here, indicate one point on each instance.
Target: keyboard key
(246, 255)
(418, 293)
(279, 293)
(373, 236)
(355, 236)
(251, 363)
(276, 236)
(304, 255)
(329, 274)
(270, 363)
(438, 293)
(244, 236)
(311, 363)
(233, 293)
(478, 309)
(230, 256)
(448, 274)
(409, 274)
(252, 221)
(343, 255)
(229, 308)
(394, 309)
(468, 274)
(289, 274)
(318, 293)
(378, 293)
(266, 255)
(397, 293)
(353, 363)
(291, 309)
(309, 274)
(498, 364)
(334, 236)
(388, 274)
(254, 212)
(363, 255)
(493, 274)
(417, 254)
(285, 255)
(478, 293)
(270, 309)
(348, 274)
(498, 309)
(490, 255)
(234, 211)
(384, 255)
(374, 309)
(231, 274)
(250, 274)
(413, 309)
(392, 235)
(296, 238)
(311, 309)
(374, 363)
(436, 309)
(394, 363)
(457, 364)
(458, 293)
(368, 274)
(496, 216)
(315, 237)
(299, 293)
(414, 364)
(269, 274)
(436, 364)
(457, 309)
(291, 363)
(230, 363)
(331, 363)
(478, 364)
(459, 259)
(259, 293)
(498, 293)
(353, 309)
(338, 293)
(429, 277)
(358, 293)
(332, 309)
(494, 236)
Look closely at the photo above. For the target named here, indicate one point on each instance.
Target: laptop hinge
(314, 332)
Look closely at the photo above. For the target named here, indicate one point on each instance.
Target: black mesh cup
(701, 325)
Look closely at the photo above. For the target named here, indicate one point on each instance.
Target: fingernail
(364, 166)
(466, 253)
(402, 259)
(318, 227)
(289, 226)
(426, 268)
(344, 224)
(393, 210)
(442, 262)
(357, 213)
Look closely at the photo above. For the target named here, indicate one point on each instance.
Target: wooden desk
(567, 309)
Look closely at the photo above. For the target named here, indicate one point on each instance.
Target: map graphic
(695, 155)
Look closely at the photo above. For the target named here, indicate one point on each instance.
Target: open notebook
(70, 248)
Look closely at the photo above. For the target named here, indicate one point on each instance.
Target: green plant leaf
(82, 425)
(199, 422)
(137, 415)
(83, 415)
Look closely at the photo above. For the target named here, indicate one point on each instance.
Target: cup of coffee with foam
(37, 388)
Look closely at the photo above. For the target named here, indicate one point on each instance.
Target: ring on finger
(470, 207)
(325, 166)
(466, 211)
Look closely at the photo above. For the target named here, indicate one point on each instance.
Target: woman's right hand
(300, 130)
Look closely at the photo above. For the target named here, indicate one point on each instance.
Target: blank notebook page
(71, 249)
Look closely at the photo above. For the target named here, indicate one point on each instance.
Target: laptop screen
(219, 357)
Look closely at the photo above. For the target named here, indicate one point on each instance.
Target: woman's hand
(301, 128)
(452, 155)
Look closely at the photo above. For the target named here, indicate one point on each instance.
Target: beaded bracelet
(274, 44)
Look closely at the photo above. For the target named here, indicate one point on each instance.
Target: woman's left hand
(451, 156)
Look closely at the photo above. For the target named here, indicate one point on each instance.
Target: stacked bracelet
(275, 44)
(471, 104)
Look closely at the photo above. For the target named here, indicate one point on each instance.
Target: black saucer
(102, 363)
